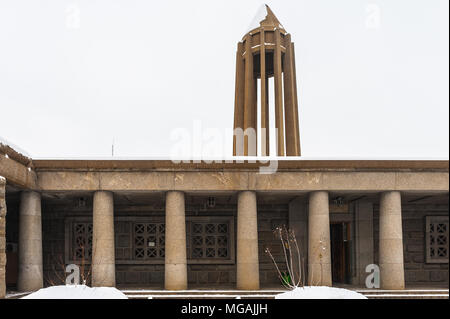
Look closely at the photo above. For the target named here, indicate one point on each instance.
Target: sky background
(373, 76)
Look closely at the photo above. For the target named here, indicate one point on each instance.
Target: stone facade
(151, 275)
(2, 238)
(417, 271)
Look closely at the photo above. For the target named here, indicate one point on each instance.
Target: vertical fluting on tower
(266, 51)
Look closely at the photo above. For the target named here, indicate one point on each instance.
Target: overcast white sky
(373, 76)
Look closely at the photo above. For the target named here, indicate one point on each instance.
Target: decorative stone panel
(436, 239)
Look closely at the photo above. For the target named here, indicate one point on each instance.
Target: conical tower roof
(265, 18)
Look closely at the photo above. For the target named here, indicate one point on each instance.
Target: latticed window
(141, 240)
(149, 240)
(210, 240)
(437, 239)
(82, 241)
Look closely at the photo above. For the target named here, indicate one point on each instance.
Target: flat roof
(282, 164)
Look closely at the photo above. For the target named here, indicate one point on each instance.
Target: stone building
(159, 224)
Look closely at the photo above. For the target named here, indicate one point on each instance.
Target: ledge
(283, 165)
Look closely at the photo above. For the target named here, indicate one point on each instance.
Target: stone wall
(2, 238)
(417, 271)
(269, 218)
(213, 275)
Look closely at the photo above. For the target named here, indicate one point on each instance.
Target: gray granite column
(175, 247)
(103, 253)
(247, 263)
(319, 255)
(30, 275)
(392, 274)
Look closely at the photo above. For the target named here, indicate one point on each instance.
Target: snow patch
(77, 292)
(14, 147)
(320, 293)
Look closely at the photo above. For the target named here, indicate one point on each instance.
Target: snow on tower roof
(264, 18)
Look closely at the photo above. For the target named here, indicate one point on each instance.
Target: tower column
(279, 118)
(265, 136)
(247, 264)
(290, 105)
(238, 142)
(103, 253)
(175, 260)
(30, 276)
(319, 255)
(250, 121)
(391, 241)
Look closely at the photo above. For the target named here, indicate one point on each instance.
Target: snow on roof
(14, 152)
(14, 147)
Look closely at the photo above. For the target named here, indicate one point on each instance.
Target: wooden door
(337, 252)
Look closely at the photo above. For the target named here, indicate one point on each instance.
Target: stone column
(391, 242)
(319, 255)
(175, 261)
(2, 238)
(247, 264)
(30, 275)
(103, 254)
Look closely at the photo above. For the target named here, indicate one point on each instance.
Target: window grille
(141, 240)
(82, 241)
(149, 240)
(210, 240)
(437, 239)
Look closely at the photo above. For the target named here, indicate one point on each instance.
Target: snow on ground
(320, 293)
(77, 292)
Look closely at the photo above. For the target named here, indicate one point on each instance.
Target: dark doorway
(340, 252)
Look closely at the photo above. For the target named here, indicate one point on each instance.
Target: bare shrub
(293, 258)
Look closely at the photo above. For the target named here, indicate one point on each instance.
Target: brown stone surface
(353, 165)
(17, 173)
(236, 181)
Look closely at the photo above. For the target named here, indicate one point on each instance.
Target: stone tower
(266, 51)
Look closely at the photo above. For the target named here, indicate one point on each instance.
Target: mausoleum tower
(266, 51)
